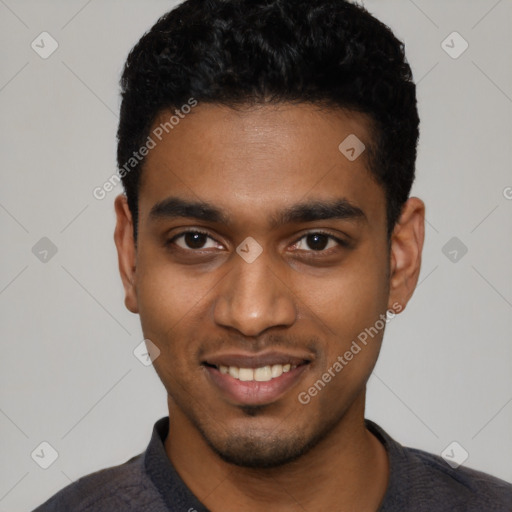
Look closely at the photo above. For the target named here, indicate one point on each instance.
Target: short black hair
(246, 52)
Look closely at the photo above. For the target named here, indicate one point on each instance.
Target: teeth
(246, 374)
(262, 374)
(277, 370)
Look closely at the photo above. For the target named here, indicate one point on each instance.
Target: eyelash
(339, 241)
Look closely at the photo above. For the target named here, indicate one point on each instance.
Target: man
(267, 151)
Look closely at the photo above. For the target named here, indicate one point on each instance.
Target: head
(267, 151)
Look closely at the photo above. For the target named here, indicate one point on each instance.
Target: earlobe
(405, 255)
(126, 251)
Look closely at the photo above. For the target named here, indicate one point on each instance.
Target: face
(261, 258)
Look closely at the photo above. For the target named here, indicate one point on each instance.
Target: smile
(254, 380)
(261, 374)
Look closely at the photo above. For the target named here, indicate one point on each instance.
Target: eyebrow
(175, 207)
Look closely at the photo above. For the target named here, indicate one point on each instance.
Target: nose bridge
(252, 298)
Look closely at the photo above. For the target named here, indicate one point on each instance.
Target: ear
(126, 252)
(405, 255)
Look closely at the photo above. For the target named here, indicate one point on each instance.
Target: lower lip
(253, 392)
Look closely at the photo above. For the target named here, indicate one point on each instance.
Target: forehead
(260, 159)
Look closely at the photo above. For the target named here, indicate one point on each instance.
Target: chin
(260, 452)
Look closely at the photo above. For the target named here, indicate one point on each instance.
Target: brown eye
(318, 242)
(193, 240)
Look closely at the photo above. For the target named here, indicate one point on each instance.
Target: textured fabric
(418, 482)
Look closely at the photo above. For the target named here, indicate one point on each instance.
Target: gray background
(68, 373)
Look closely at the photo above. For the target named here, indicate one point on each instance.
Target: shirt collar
(176, 495)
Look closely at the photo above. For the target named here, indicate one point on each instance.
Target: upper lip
(242, 360)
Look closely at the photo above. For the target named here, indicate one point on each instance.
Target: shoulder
(431, 482)
(422, 482)
(123, 487)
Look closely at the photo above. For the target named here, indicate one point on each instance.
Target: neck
(347, 470)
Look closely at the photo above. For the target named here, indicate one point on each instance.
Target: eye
(193, 240)
(318, 242)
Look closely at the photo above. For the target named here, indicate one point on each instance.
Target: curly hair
(245, 52)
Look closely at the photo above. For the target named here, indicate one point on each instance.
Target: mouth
(254, 380)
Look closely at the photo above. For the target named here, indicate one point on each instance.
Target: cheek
(350, 299)
(168, 301)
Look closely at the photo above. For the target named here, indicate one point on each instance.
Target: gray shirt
(418, 482)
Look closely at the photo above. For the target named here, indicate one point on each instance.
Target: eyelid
(340, 241)
(191, 230)
(337, 239)
(322, 232)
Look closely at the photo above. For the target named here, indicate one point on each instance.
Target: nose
(253, 298)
